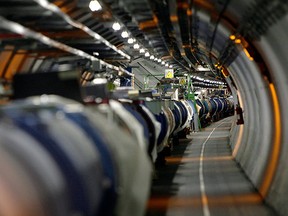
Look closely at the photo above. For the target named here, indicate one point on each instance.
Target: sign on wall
(182, 80)
(169, 73)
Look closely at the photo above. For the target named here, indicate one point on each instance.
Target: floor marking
(206, 211)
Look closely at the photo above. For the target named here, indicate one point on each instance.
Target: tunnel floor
(202, 178)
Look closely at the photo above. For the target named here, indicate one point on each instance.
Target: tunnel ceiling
(183, 33)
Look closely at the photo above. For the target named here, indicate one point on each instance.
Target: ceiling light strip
(20, 29)
(207, 80)
(52, 7)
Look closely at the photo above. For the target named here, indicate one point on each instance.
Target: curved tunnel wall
(256, 139)
(273, 47)
(261, 146)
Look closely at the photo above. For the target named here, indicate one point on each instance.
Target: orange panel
(21, 65)
(66, 6)
(5, 57)
(149, 24)
(205, 4)
(15, 65)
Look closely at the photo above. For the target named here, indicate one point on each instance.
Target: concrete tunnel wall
(261, 145)
(273, 47)
(254, 150)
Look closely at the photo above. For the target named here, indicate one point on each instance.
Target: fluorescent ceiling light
(94, 5)
(201, 68)
(199, 78)
(136, 46)
(125, 34)
(99, 81)
(130, 41)
(116, 26)
(147, 54)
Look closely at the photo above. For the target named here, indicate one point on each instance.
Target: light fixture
(163, 63)
(167, 65)
(238, 41)
(94, 5)
(159, 60)
(201, 68)
(155, 59)
(232, 37)
(170, 66)
(199, 78)
(99, 81)
(125, 34)
(142, 50)
(130, 41)
(116, 26)
(96, 53)
(136, 46)
(248, 54)
(152, 57)
(147, 54)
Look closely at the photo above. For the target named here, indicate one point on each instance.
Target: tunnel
(238, 47)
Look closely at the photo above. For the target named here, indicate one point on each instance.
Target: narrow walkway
(201, 178)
